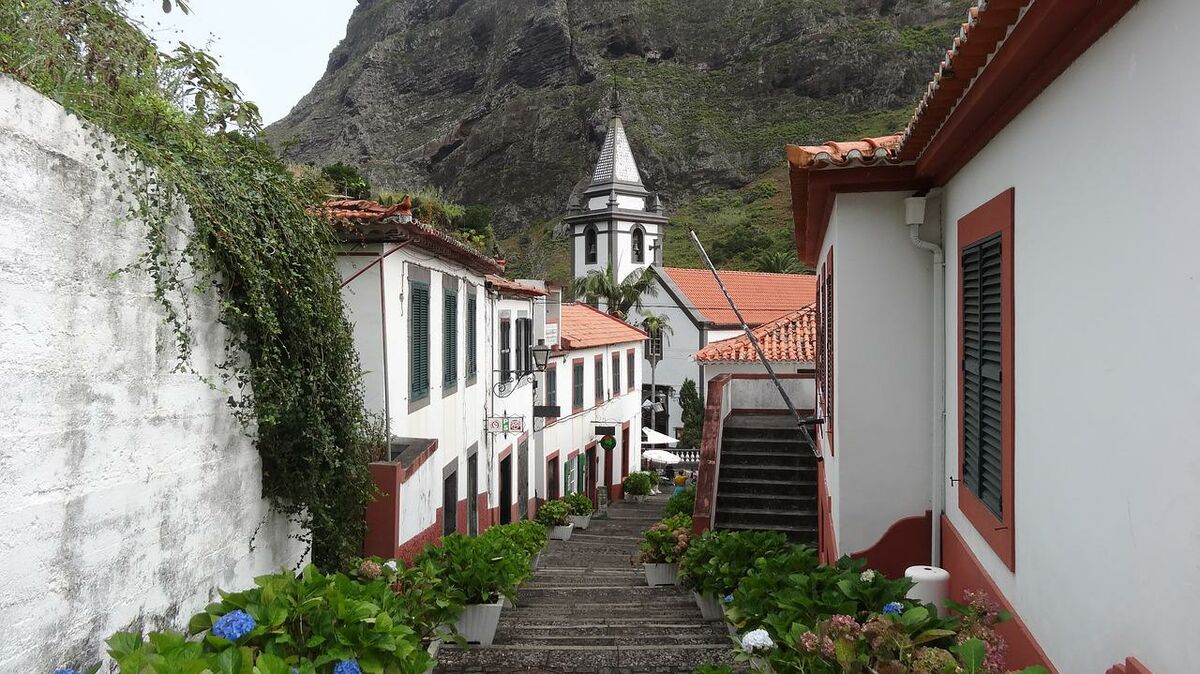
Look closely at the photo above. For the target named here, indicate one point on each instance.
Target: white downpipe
(914, 212)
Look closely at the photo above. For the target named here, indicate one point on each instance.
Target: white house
(788, 342)
(1010, 312)
(594, 378)
(699, 315)
(434, 325)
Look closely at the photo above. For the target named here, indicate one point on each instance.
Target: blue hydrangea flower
(893, 607)
(233, 625)
(728, 599)
(347, 667)
(67, 670)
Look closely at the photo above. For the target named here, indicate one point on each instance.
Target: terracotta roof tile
(584, 326)
(791, 338)
(361, 219)
(510, 287)
(863, 152)
(760, 296)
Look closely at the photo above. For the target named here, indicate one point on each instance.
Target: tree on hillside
(693, 415)
(618, 297)
(779, 262)
(347, 181)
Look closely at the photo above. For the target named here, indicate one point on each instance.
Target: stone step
(762, 516)
(751, 486)
(592, 594)
(658, 658)
(794, 534)
(768, 501)
(750, 441)
(768, 471)
(730, 456)
(608, 635)
(790, 433)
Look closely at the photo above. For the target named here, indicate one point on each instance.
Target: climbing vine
(170, 130)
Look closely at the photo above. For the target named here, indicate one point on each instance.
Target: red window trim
(574, 383)
(628, 353)
(995, 216)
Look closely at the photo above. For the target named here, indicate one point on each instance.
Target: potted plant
(556, 517)
(580, 508)
(662, 547)
(527, 536)
(716, 561)
(636, 486)
(486, 570)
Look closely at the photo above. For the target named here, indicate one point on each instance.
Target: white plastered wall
(880, 470)
(1107, 347)
(129, 494)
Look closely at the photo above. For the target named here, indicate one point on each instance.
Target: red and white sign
(505, 425)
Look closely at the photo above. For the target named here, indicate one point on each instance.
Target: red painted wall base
(1130, 666)
(906, 543)
(966, 573)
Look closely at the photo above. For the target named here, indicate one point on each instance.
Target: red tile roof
(791, 338)
(864, 152)
(760, 296)
(364, 220)
(584, 326)
(509, 287)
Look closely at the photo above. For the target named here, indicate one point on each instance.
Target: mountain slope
(503, 102)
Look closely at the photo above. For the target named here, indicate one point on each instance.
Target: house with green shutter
(445, 344)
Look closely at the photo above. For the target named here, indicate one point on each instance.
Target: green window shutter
(505, 349)
(599, 380)
(472, 356)
(981, 328)
(616, 364)
(629, 367)
(418, 376)
(551, 386)
(450, 338)
(577, 386)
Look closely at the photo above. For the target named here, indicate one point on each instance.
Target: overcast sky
(274, 49)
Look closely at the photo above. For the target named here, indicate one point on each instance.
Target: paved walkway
(588, 609)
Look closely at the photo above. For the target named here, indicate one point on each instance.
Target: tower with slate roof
(616, 221)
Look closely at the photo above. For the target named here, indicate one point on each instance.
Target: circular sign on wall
(608, 442)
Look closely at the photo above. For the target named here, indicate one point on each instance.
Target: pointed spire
(616, 163)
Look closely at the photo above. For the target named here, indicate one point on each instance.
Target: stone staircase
(768, 477)
(588, 609)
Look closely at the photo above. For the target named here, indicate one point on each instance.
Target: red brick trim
(1130, 666)
(505, 453)
(996, 216)
(483, 512)
(412, 468)
(906, 543)
(431, 535)
(966, 573)
(826, 538)
(704, 511)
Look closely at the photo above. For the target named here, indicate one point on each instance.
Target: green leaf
(199, 623)
(932, 635)
(229, 661)
(122, 644)
(914, 616)
(971, 654)
(272, 664)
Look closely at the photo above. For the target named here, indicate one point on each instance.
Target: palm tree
(618, 297)
(779, 262)
(656, 326)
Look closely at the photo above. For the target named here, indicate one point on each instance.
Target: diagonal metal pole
(754, 342)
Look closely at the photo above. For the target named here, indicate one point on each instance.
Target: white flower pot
(534, 561)
(710, 606)
(661, 574)
(478, 623)
(581, 522)
(561, 533)
(434, 647)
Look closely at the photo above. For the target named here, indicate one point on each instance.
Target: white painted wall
(128, 493)
(762, 393)
(677, 363)
(1107, 301)
(574, 431)
(518, 403)
(883, 295)
(363, 299)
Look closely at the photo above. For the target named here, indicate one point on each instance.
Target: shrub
(554, 514)
(682, 503)
(666, 541)
(483, 569)
(716, 561)
(529, 536)
(579, 504)
(693, 415)
(309, 622)
(637, 484)
(430, 600)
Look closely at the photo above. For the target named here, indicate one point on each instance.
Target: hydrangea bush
(716, 561)
(666, 541)
(683, 503)
(554, 514)
(579, 504)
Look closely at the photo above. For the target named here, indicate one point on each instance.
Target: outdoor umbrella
(653, 437)
(661, 456)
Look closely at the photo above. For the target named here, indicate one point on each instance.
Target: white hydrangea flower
(757, 640)
(390, 564)
(867, 576)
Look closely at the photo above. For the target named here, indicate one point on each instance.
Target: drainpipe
(914, 217)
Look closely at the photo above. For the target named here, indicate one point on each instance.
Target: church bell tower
(616, 221)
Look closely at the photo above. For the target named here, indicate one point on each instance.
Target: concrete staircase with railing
(767, 480)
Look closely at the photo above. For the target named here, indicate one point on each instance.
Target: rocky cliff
(503, 102)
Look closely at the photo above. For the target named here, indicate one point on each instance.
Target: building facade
(984, 411)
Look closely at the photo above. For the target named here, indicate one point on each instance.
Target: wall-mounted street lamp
(541, 357)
